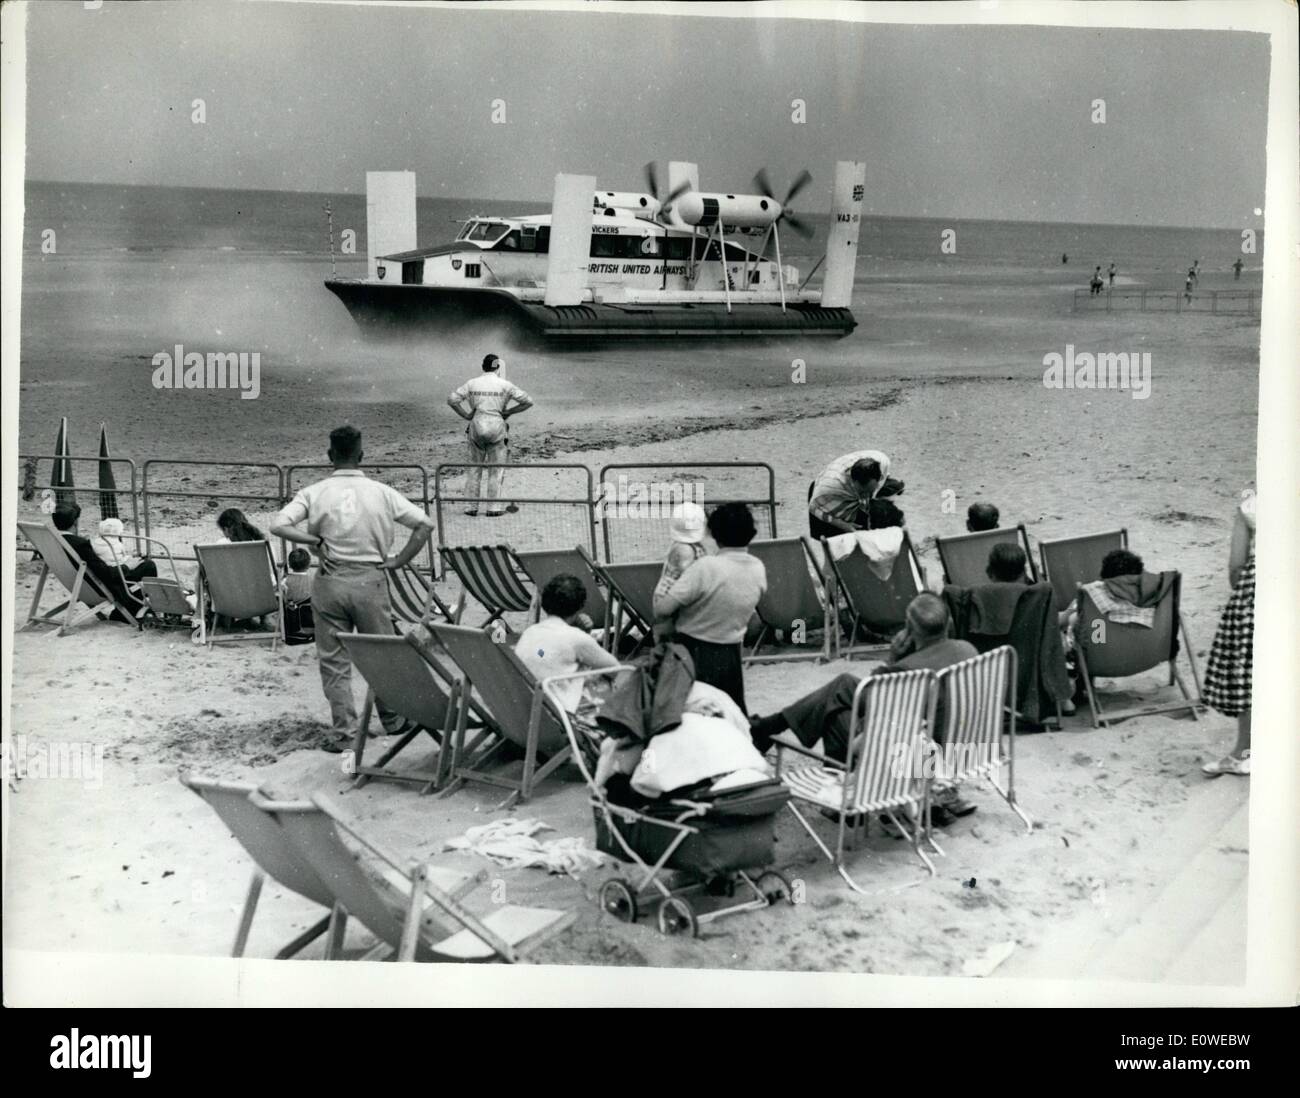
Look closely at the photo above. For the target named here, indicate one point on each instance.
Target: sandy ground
(948, 381)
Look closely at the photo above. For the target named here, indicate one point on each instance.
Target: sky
(963, 122)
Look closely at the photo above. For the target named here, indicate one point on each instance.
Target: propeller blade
(763, 184)
(801, 181)
(801, 228)
(677, 193)
(652, 184)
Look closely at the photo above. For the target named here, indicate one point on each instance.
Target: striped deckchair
(258, 831)
(237, 581)
(965, 557)
(413, 597)
(87, 597)
(1069, 562)
(493, 575)
(629, 594)
(886, 767)
(795, 599)
(413, 908)
(543, 564)
(976, 734)
(871, 604)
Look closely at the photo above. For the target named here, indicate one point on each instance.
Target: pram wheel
(676, 917)
(617, 897)
(774, 887)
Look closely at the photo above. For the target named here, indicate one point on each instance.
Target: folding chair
(87, 596)
(237, 581)
(493, 575)
(413, 597)
(1070, 562)
(879, 606)
(630, 590)
(975, 739)
(886, 767)
(1122, 649)
(415, 912)
(396, 671)
(163, 597)
(521, 713)
(544, 564)
(274, 855)
(795, 598)
(965, 557)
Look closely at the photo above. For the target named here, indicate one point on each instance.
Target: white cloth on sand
(880, 547)
(511, 843)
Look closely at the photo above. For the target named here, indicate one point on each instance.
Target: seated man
(1007, 564)
(826, 713)
(981, 516)
(109, 578)
(555, 646)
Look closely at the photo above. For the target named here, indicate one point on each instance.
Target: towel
(880, 547)
(511, 843)
(698, 749)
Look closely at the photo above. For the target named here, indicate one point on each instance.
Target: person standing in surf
(486, 402)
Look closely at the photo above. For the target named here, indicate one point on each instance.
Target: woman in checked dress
(1228, 675)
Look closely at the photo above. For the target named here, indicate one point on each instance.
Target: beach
(945, 374)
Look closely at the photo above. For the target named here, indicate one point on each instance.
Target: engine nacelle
(633, 202)
(735, 211)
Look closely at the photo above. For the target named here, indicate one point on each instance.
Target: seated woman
(714, 598)
(1126, 592)
(556, 646)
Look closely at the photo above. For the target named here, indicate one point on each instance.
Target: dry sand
(948, 382)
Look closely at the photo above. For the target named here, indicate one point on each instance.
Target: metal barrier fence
(553, 507)
(636, 501)
(414, 486)
(38, 495)
(180, 503)
(1214, 302)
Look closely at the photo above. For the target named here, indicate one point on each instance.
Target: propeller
(796, 224)
(652, 185)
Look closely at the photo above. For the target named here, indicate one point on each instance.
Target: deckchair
(886, 768)
(414, 686)
(274, 855)
(521, 713)
(237, 581)
(795, 597)
(410, 910)
(86, 595)
(630, 589)
(1069, 562)
(413, 597)
(493, 575)
(877, 605)
(543, 564)
(976, 694)
(965, 557)
(1113, 650)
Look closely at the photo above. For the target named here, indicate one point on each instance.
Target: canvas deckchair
(413, 597)
(274, 855)
(521, 713)
(965, 557)
(493, 575)
(413, 909)
(86, 595)
(795, 597)
(237, 581)
(889, 743)
(544, 564)
(414, 686)
(1113, 650)
(877, 605)
(630, 589)
(976, 694)
(1069, 562)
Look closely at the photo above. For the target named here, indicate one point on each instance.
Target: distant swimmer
(1187, 286)
(1065, 258)
(1196, 271)
(1094, 287)
(1236, 270)
(1111, 273)
(487, 402)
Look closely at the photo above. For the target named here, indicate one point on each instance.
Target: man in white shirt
(351, 521)
(486, 402)
(843, 491)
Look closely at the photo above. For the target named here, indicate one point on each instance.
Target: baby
(109, 546)
(687, 530)
(297, 584)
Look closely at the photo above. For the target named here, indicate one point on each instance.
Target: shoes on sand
(1229, 764)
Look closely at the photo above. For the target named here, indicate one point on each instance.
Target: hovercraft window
(473, 270)
(486, 230)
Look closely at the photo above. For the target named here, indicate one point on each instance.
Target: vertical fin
(570, 249)
(842, 244)
(390, 217)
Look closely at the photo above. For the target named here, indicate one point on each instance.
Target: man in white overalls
(487, 402)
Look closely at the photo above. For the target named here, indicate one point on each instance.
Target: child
(297, 584)
(109, 546)
(687, 531)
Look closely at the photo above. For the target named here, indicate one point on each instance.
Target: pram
(716, 841)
